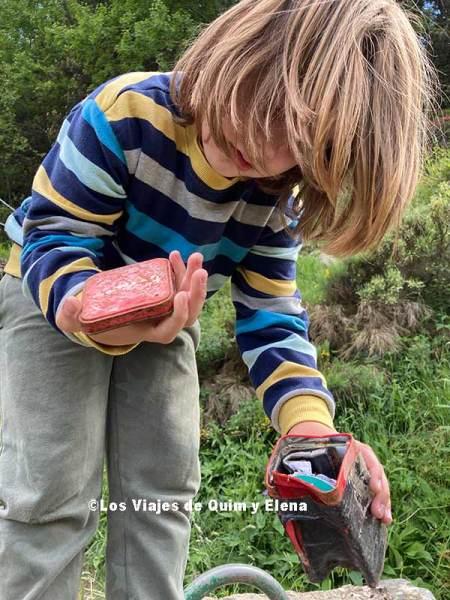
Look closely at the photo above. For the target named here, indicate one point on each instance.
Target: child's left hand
(381, 504)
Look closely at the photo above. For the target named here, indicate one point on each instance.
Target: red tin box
(118, 297)
(337, 529)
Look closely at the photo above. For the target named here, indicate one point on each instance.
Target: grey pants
(62, 405)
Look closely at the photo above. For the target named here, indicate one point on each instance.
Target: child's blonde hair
(346, 84)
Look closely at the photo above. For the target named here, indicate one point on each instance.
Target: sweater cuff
(303, 408)
(105, 348)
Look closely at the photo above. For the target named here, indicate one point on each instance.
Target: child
(197, 165)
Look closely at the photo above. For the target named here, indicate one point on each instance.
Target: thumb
(68, 317)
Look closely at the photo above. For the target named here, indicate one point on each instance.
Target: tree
(53, 52)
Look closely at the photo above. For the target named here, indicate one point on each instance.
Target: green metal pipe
(234, 573)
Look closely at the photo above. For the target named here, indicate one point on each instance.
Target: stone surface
(389, 589)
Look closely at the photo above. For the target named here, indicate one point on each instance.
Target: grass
(4, 250)
(313, 275)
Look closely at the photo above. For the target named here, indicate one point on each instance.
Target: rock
(389, 589)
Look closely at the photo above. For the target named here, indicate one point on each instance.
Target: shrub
(394, 290)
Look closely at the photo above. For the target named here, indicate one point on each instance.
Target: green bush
(53, 53)
(416, 266)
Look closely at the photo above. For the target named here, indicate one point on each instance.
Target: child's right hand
(191, 285)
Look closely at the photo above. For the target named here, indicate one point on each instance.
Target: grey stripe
(83, 228)
(153, 174)
(302, 392)
(132, 158)
(216, 282)
(282, 304)
(275, 223)
(126, 259)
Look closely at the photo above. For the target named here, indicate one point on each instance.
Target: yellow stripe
(285, 370)
(12, 267)
(274, 287)
(46, 284)
(303, 408)
(110, 92)
(43, 186)
(131, 105)
(201, 166)
(111, 350)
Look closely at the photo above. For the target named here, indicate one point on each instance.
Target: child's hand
(381, 504)
(191, 285)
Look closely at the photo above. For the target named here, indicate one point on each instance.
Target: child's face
(278, 156)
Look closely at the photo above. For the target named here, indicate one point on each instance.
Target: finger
(183, 273)
(378, 483)
(197, 295)
(374, 466)
(385, 500)
(178, 266)
(195, 262)
(381, 503)
(167, 329)
(388, 515)
(68, 317)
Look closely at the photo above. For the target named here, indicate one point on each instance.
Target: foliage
(434, 32)
(374, 299)
(54, 52)
(417, 268)
(314, 272)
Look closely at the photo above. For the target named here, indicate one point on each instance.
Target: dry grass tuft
(227, 389)
(89, 588)
(329, 324)
(373, 329)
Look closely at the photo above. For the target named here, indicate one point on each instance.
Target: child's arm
(272, 333)
(78, 195)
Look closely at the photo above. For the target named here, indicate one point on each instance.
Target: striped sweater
(124, 183)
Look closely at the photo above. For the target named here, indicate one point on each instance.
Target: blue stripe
(49, 262)
(264, 318)
(269, 361)
(201, 229)
(91, 243)
(85, 170)
(25, 204)
(13, 230)
(93, 115)
(271, 267)
(146, 228)
(293, 342)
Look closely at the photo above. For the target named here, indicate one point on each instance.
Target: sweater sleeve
(78, 195)
(272, 332)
